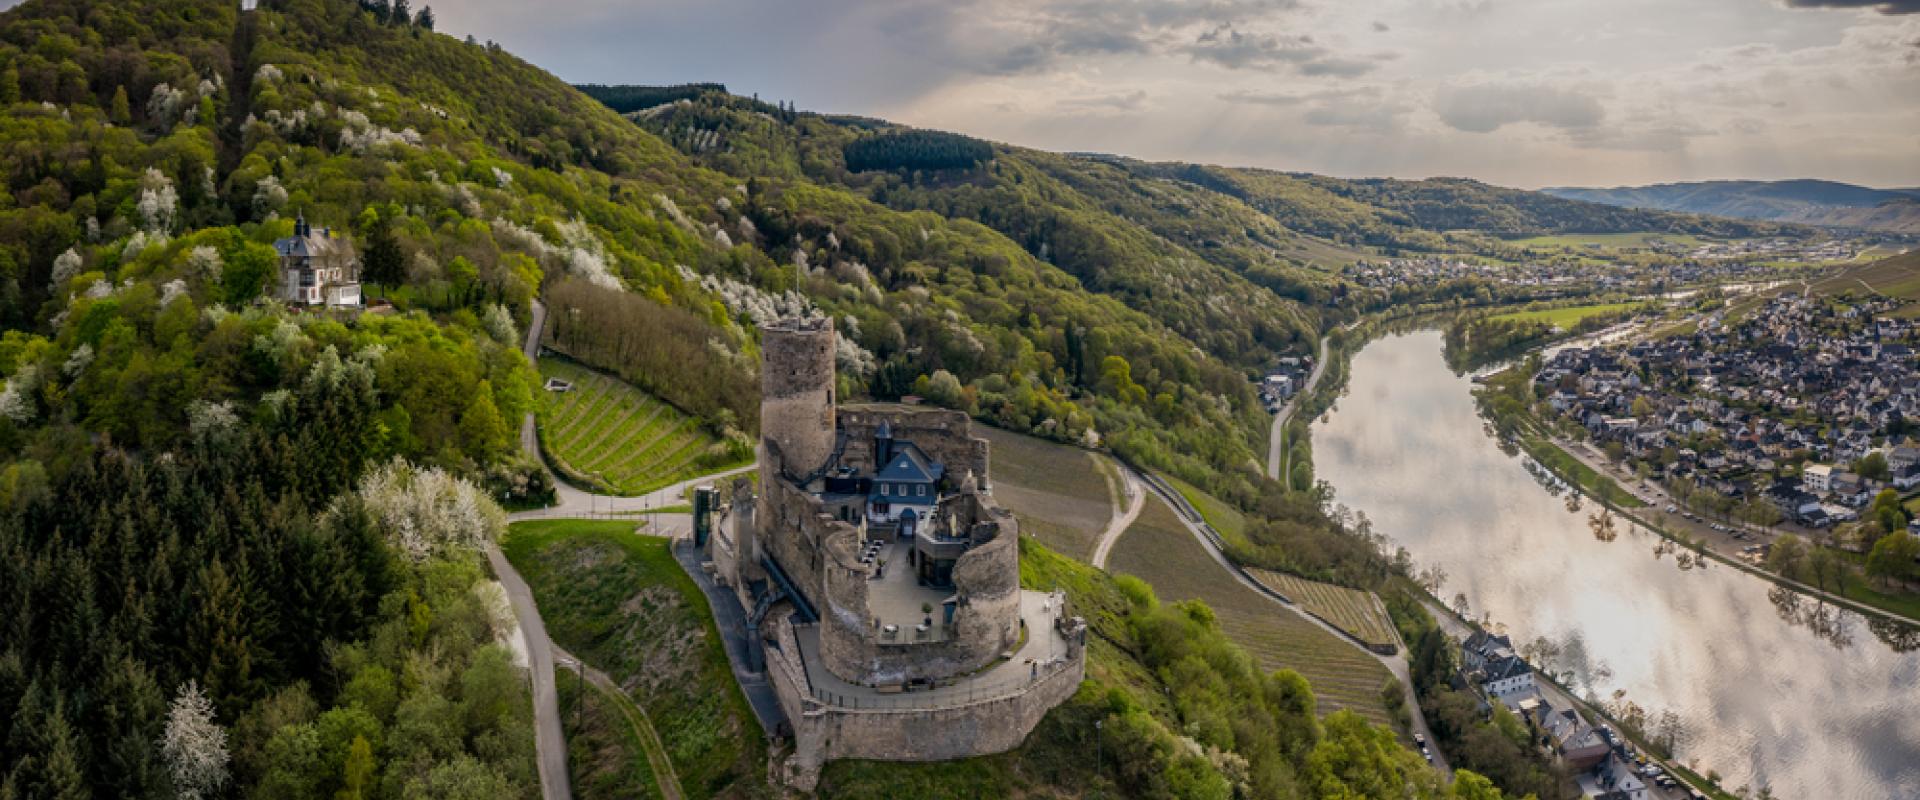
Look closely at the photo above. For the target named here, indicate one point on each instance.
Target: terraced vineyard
(1159, 550)
(1351, 610)
(614, 438)
(1063, 496)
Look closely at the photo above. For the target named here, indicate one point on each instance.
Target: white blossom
(428, 511)
(720, 238)
(99, 289)
(499, 324)
(267, 73)
(205, 263)
(210, 421)
(172, 290)
(165, 104)
(502, 177)
(77, 361)
(269, 195)
(195, 747)
(16, 400)
(280, 342)
(158, 201)
(66, 265)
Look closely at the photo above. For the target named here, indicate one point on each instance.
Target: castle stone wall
(945, 436)
(938, 732)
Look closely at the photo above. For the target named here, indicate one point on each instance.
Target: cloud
(1485, 108)
(1119, 101)
(1882, 6)
(1253, 98)
(1230, 47)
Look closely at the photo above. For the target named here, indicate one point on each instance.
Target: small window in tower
(886, 490)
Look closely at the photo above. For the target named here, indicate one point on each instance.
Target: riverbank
(1565, 461)
(1459, 629)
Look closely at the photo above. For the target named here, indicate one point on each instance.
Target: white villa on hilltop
(318, 268)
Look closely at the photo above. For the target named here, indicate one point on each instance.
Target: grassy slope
(621, 602)
(605, 753)
(610, 435)
(1159, 550)
(1061, 495)
(1565, 318)
(1898, 276)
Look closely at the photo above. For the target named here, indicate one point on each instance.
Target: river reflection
(1766, 686)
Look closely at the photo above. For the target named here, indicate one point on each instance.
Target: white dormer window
(922, 490)
(886, 490)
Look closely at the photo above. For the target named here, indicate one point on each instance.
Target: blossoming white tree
(429, 511)
(195, 747)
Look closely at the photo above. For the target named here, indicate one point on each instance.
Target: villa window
(886, 490)
(922, 490)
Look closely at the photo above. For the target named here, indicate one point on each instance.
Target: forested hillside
(1809, 202)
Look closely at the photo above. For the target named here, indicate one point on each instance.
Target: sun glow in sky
(1520, 92)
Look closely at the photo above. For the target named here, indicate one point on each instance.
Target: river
(1763, 685)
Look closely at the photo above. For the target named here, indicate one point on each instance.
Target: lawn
(1159, 550)
(1062, 495)
(1567, 467)
(621, 602)
(1565, 318)
(607, 435)
(1356, 612)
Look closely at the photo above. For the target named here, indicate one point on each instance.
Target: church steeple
(300, 229)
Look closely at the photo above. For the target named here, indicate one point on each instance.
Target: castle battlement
(884, 575)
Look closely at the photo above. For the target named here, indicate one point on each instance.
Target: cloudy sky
(1522, 92)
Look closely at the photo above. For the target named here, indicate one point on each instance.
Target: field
(1159, 550)
(1565, 318)
(1614, 240)
(1351, 610)
(1896, 277)
(622, 603)
(1063, 496)
(1224, 518)
(605, 434)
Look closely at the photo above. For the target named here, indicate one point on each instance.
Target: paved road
(549, 738)
(1396, 664)
(1274, 434)
(550, 742)
(1136, 500)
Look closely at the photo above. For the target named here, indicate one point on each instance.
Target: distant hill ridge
(1803, 201)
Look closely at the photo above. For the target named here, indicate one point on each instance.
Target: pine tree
(402, 15)
(425, 18)
(482, 431)
(122, 113)
(9, 86)
(384, 264)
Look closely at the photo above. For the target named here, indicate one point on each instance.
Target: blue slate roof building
(905, 487)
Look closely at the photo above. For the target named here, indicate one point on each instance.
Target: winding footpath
(1136, 500)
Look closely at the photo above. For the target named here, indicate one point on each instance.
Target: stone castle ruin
(881, 577)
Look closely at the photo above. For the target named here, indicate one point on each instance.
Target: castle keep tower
(796, 393)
